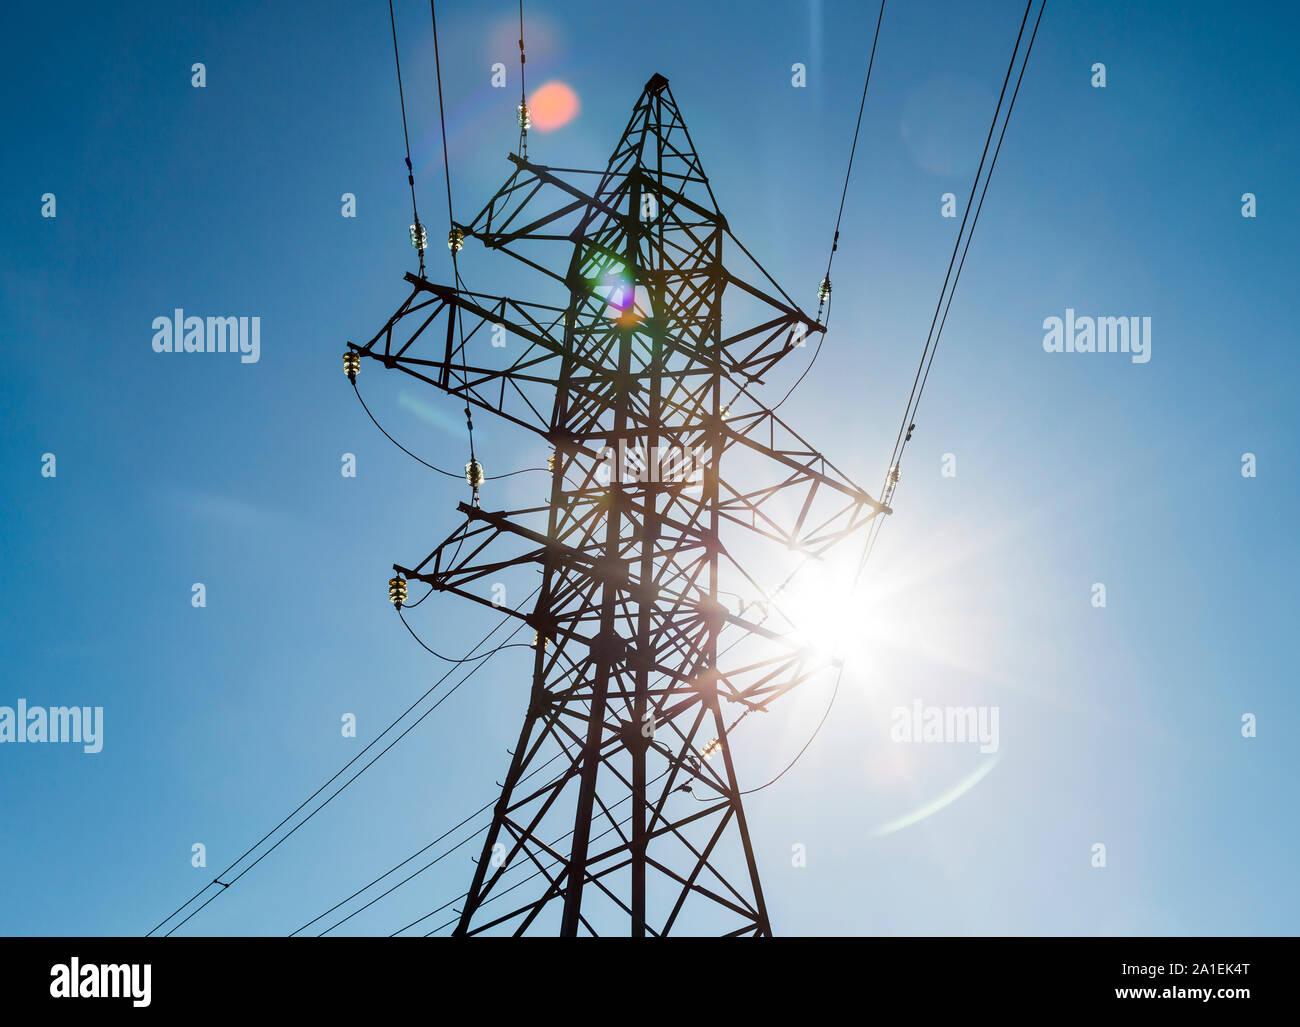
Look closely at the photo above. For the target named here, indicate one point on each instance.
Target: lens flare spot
(553, 106)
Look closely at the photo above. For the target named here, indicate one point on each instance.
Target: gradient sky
(1118, 725)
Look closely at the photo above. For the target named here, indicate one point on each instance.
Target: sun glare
(825, 611)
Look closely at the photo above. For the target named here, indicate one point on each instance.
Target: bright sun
(826, 611)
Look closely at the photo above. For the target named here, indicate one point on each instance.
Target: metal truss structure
(671, 489)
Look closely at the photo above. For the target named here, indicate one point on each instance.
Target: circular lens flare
(553, 106)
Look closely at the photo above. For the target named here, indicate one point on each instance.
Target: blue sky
(1119, 725)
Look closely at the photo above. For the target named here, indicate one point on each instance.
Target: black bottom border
(910, 975)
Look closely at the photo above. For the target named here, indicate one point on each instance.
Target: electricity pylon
(671, 488)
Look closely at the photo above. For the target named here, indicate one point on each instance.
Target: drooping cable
(449, 474)
(450, 659)
(797, 756)
(812, 738)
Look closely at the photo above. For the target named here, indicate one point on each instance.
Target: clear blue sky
(1118, 725)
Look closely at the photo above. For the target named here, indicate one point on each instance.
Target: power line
(442, 113)
(225, 885)
(449, 474)
(812, 738)
(478, 812)
(933, 336)
(455, 240)
(961, 233)
(835, 242)
(359, 891)
(338, 791)
(421, 460)
(824, 292)
(450, 659)
(806, 745)
(417, 233)
(983, 192)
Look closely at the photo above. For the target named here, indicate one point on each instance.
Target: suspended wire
(412, 606)
(439, 858)
(226, 884)
(450, 659)
(979, 207)
(442, 113)
(478, 812)
(956, 246)
(359, 891)
(799, 755)
(913, 403)
(340, 789)
(406, 880)
(813, 737)
(821, 338)
(419, 234)
(449, 474)
(451, 220)
(937, 324)
(835, 242)
(410, 171)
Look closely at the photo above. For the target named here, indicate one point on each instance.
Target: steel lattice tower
(622, 798)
